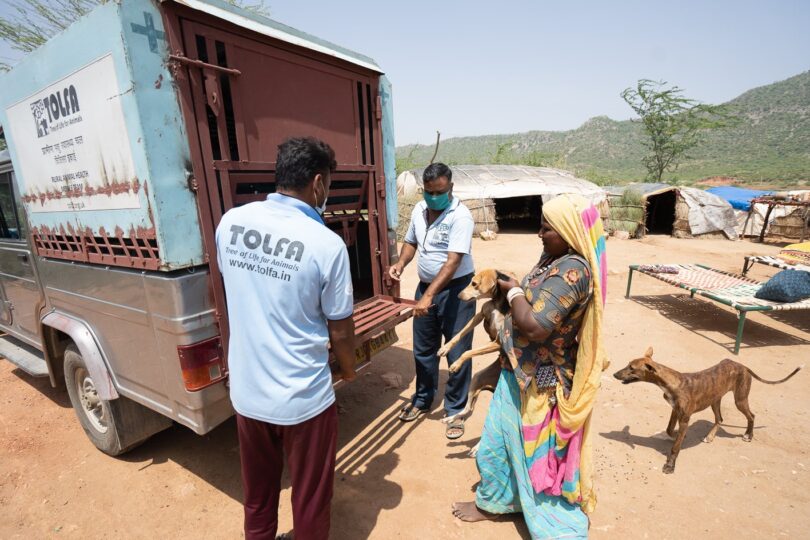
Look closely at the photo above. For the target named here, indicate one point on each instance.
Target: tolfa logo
(54, 107)
(252, 239)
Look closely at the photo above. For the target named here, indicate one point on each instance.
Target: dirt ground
(398, 480)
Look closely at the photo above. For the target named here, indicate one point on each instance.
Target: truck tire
(115, 426)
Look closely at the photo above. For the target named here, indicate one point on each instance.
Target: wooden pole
(436, 151)
(765, 224)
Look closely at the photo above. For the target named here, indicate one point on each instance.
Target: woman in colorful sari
(535, 450)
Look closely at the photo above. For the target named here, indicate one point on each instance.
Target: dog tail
(760, 379)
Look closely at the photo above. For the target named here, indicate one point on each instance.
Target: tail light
(202, 363)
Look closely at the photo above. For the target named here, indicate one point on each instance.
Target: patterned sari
(534, 455)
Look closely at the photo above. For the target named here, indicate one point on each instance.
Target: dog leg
(718, 418)
(742, 405)
(741, 401)
(486, 379)
(683, 424)
(671, 426)
(467, 327)
(492, 347)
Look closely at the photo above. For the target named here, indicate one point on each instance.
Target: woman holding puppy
(535, 450)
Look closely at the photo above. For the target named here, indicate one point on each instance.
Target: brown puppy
(689, 393)
(484, 285)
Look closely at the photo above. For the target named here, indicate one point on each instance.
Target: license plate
(375, 345)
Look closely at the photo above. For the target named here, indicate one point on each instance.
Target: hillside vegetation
(771, 144)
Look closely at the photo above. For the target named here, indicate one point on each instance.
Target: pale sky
(475, 67)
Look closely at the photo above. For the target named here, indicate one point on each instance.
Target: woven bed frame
(767, 260)
(726, 288)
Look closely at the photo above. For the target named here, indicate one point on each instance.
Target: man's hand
(506, 284)
(348, 375)
(395, 271)
(423, 305)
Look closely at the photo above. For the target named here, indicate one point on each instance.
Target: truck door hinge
(193, 186)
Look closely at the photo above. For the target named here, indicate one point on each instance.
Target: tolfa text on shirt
(252, 239)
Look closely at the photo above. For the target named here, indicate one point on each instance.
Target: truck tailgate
(374, 321)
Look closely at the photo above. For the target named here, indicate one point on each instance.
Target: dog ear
(649, 352)
(501, 275)
(649, 367)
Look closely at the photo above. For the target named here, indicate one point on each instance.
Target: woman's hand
(506, 284)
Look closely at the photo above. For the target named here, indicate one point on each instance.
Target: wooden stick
(436, 151)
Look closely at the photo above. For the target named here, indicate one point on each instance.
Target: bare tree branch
(436, 151)
(30, 23)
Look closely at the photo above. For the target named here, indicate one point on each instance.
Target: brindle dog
(689, 393)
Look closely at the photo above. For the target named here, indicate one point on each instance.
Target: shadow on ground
(663, 443)
(702, 318)
(58, 396)
(362, 489)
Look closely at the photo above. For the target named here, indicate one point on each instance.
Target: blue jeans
(445, 318)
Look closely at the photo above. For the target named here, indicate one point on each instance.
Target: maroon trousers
(310, 448)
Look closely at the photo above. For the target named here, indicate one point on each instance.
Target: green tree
(674, 124)
(30, 23)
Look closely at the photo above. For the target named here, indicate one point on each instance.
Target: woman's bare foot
(467, 511)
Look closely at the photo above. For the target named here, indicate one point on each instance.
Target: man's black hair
(300, 159)
(437, 170)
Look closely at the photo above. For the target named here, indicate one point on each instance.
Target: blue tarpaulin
(739, 198)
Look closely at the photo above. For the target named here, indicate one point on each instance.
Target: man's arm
(444, 277)
(406, 255)
(337, 303)
(341, 337)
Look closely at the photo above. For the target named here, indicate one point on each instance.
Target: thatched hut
(502, 196)
(683, 212)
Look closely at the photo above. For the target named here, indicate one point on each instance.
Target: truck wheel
(114, 427)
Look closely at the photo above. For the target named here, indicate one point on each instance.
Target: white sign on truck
(72, 145)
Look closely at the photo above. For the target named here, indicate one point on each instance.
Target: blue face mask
(437, 202)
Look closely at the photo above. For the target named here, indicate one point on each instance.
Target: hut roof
(506, 181)
(646, 190)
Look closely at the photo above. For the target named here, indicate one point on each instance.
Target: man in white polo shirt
(441, 231)
(289, 288)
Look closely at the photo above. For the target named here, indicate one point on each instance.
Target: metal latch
(202, 65)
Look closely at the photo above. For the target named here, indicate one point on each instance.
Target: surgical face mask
(437, 202)
(322, 207)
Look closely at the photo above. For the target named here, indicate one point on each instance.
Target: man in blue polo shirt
(441, 232)
(289, 288)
